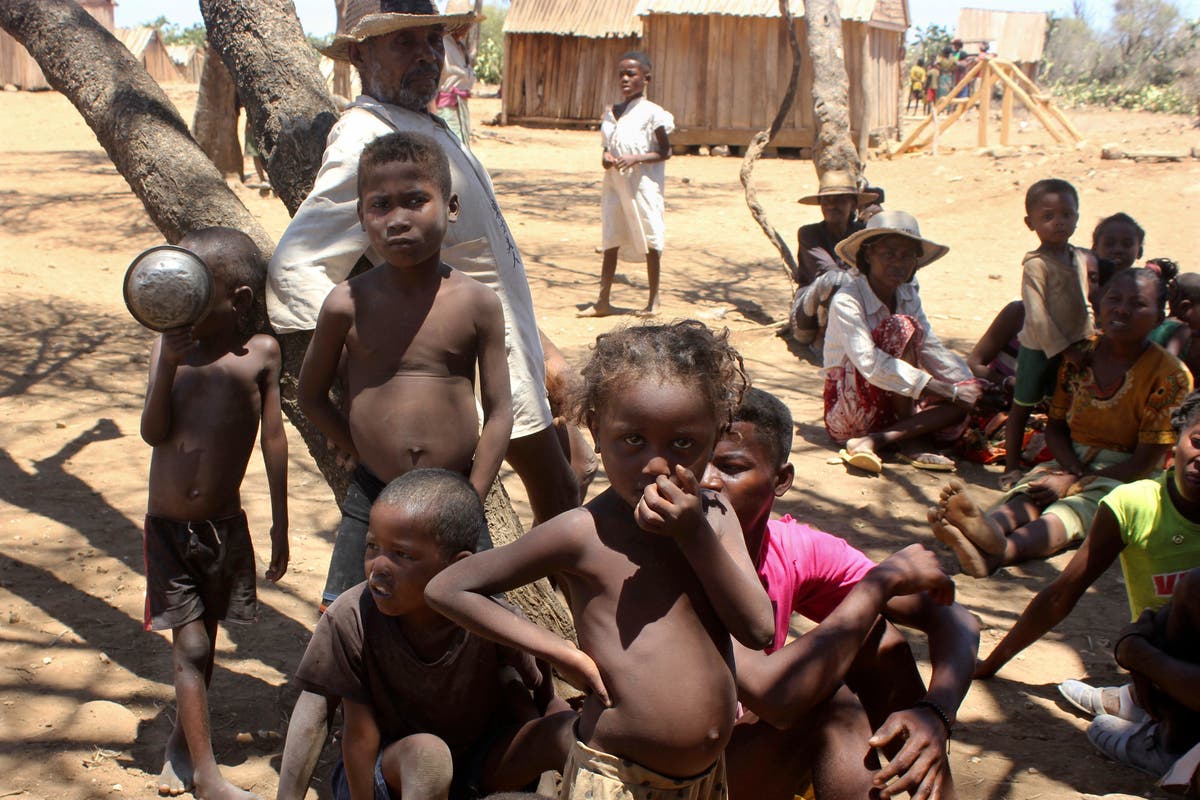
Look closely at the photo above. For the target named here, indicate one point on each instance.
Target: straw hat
(889, 223)
(365, 19)
(837, 182)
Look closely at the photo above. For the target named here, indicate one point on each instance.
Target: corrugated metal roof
(855, 10)
(136, 39)
(586, 18)
(1017, 35)
(182, 54)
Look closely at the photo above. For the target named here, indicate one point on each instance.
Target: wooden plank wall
(568, 79)
(724, 76)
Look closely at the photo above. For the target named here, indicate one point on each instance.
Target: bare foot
(650, 310)
(1010, 478)
(863, 444)
(969, 558)
(176, 775)
(596, 310)
(960, 511)
(217, 788)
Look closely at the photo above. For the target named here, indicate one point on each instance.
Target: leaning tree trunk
(832, 147)
(132, 118)
(182, 191)
(215, 122)
(763, 138)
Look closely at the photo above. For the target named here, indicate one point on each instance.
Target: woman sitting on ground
(888, 379)
(1109, 424)
(821, 271)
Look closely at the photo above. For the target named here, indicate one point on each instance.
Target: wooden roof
(586, 18)
(1018, 35)
(887, 11)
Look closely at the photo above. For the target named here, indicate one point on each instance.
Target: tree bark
(763, 138)
(182, 191)
(832, 147)
(277, 77)
(132, 118)
(215, 122)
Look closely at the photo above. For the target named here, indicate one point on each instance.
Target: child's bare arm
(675, 507)
(275, 454)
(360, 749)
(462, 593)
(494, 392)
(165, 357)
(660, 152)
(320, 369)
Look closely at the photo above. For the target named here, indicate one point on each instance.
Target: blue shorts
(341, 785)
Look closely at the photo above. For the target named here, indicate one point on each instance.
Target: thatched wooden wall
(723, 76)
(18, 68)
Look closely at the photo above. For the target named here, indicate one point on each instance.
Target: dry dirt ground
(85, 695)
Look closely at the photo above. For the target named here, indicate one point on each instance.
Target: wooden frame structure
(1017, 85)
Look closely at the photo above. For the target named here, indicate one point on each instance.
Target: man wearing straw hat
(398, 49)
(820, 271)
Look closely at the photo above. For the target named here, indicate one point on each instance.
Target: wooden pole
(985, 101)
(941, 105)
(1006, 108)
(1032, 104)
(1035, 92)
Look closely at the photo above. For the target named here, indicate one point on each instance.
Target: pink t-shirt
(806, 571)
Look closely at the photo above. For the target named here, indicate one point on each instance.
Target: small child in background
(1181, 328)
(635, 137)
(1119, 239)
(209, 386)
(430, 709)
(655, 569)
(1054, 291)
(916, 83)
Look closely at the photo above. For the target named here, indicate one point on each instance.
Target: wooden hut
(148, 48)
(17, 67)
(189, 59)
(1017, 36)
(722, 66)
(560, 58)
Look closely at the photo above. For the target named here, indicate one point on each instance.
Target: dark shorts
(1036, 375)
(198, 570)
(350, 543)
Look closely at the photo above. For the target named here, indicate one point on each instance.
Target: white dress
(631, 201)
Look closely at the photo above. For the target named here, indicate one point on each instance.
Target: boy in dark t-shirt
(429, 707)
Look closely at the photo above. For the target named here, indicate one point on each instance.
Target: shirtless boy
(209, 386)
(655, 570)
(431, 710)
(803, 727)
(413, 331)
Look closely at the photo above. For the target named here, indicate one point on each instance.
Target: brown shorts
(594, 775)
(198, 570)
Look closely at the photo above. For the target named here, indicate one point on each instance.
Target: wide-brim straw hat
(890, 223)
(365, 19)
(837, 182)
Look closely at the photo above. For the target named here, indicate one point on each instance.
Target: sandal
(865, 460)
(1138, 744)
(934, 462)
(1090, 700)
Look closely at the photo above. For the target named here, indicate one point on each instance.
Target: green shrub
(489, 62)
(1164, 99)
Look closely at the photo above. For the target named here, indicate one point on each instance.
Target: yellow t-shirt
(1136, 411)
(1160, 543)
(916, 77)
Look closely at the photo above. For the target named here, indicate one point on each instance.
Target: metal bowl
(168, 287)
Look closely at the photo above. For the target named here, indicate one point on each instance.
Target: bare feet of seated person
(961, 525)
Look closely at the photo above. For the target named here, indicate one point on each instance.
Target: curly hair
(410, 148)
(1120, 218)
(685, 350)
(1187, 414)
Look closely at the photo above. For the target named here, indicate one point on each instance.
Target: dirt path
(86, 695)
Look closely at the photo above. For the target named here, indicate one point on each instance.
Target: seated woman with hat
(888, 378)
(821, 272)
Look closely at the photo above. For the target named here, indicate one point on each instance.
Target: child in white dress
(634, 133)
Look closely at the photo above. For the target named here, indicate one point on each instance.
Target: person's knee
(192, 645)
(418, 766)
(1187, 592)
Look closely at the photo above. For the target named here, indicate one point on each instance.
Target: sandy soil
(86, 695)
